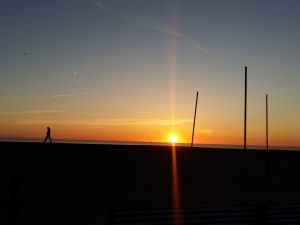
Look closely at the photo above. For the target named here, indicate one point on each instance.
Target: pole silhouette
(245, 134)
(267, 123)
(245, 112)
(267, 137)
(194, 120)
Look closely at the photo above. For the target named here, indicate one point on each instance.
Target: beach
(81, 184)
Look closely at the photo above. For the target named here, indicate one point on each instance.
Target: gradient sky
(129, 70)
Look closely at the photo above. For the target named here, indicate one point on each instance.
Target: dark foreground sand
(79, 184)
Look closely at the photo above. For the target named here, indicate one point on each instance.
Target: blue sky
(96, 60)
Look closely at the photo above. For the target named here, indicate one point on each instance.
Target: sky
(129, 70)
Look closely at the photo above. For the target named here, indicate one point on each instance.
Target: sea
(93, 142)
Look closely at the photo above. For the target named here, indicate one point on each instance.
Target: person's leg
(50, 139)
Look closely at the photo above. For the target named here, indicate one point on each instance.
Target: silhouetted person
(48, 135)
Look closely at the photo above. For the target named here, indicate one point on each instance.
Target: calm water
(154, 143)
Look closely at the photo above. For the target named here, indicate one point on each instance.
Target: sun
(173, 138)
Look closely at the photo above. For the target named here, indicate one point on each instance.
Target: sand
(81, 184)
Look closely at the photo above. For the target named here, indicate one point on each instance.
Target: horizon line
(87, 141)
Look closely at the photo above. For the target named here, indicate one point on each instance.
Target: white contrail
(165, 29)
(126, 18)
(100, 5)
(155, 24)
(131, 20)
(73, 94)
(195, 44)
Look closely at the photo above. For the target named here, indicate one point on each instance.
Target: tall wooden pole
(267, 124)
(245, 112)
(194, 120)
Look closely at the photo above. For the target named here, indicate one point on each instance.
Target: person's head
(48, 128)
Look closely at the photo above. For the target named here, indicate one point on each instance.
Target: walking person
(48, 135)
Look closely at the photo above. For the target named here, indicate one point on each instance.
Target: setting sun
(173, 138)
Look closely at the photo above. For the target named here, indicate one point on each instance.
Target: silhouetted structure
(48, 135)
(245, 112)
(267, 124)
(194, 120)
(245, 134)
(267, 138)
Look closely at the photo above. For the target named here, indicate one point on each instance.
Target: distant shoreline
(94, 142)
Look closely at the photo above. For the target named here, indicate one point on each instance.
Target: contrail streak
(73, 94)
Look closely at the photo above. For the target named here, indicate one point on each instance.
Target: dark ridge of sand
(79, 184)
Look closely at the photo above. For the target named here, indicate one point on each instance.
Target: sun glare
(173, 138)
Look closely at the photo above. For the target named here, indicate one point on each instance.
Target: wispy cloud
(143, 112)
(73, 94)
(32, 112)
(136, 122)
(32, 117)
(152, 23)
(126, 18)
(167, 30)
(195, 44)
(164, 28)
(132, 20)
(39, 121)
(100, 5)
(97, 127)
(102, 123)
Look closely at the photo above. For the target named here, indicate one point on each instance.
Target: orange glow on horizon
(148, 134)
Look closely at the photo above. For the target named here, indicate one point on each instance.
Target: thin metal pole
(245, 135)
(194, 120)
(267, 123)
(267, 138)
(245, 112)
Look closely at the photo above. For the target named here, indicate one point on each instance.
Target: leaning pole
(194, 120)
